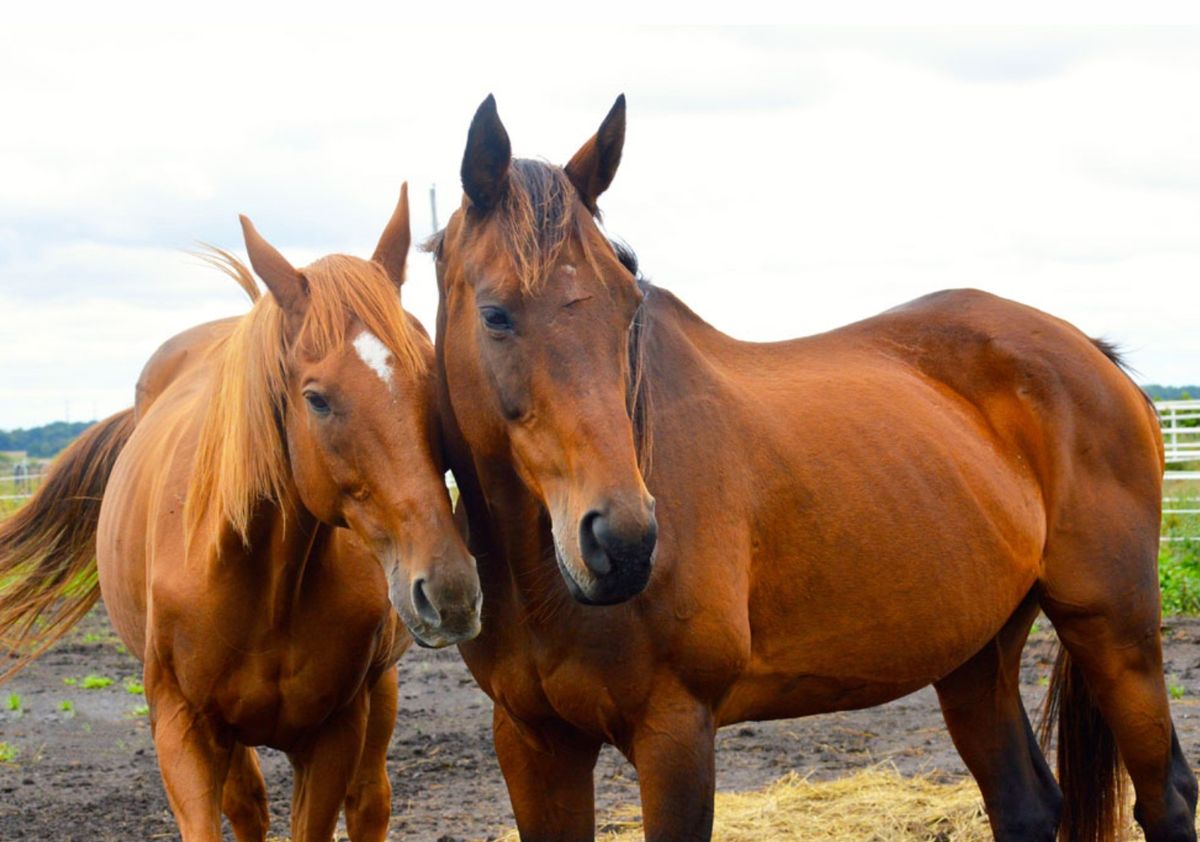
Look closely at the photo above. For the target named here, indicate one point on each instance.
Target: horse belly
(895, 567)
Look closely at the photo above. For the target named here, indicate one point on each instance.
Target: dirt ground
(89, 773)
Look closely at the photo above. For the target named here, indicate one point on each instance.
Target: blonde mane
(241, 460)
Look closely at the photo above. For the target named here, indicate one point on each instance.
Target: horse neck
(674, 355)
(509, 531)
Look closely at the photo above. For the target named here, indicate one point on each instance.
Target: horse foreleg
(244, 799)
(323, 769)
(549, 776)
(193, 757)
(369, 800)
(672, 749)
(981, 703)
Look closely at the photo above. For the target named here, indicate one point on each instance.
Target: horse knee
(368, 810)
(248, 813)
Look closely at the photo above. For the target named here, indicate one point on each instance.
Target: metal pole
(433, 206)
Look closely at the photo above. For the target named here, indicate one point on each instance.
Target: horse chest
(270, 679)
(275, 703)
(597, 682)
(569, 690)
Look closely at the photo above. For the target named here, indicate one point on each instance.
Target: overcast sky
(782, 182)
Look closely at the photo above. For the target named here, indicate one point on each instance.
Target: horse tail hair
(48, 575)
(1089, 764)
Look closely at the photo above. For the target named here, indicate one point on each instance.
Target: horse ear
(392, 251)
(288, 286)
(594, 165)
(487, 157)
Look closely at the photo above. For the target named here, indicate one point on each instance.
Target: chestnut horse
(678, 530)
(276, 503)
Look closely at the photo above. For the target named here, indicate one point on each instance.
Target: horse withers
(259, 524)
(678, 530)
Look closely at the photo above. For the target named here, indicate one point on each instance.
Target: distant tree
(1171, 393)
(44, 441)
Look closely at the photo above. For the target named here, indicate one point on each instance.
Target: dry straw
(875, 805)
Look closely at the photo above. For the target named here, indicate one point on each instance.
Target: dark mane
(637, 400)
(1116, 356)
(1114, 353)
(536, 217)
(628, 258)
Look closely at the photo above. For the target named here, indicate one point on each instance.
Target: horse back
(175, 357)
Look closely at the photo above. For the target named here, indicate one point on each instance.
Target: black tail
(1089, 765)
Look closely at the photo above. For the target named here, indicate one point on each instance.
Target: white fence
(19, 486)
(1181, 444)
(1181, 436)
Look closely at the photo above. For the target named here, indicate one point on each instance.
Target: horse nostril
(593, 529)
(423, 606)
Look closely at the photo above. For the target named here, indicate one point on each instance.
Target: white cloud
(781, 182)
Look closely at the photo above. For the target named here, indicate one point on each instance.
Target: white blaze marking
(375, 354)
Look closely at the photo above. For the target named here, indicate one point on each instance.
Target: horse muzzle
(440, 608)
(616, 547)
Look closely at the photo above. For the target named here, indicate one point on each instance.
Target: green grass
(66, 706)
(70, 682)
(134, 687)
(7, 507)
(14, 702)
(141, 710)
(96, 682)
(8, 753)
(1179, 560)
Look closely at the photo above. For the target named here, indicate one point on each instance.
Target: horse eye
(496, 318)
(317, 403)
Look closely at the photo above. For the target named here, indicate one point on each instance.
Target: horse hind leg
(1100, 589)
(244, 796)
(981, 703)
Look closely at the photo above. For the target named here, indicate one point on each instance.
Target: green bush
(1179, 575)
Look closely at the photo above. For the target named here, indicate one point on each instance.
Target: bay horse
(678, 530)
(256, 524)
